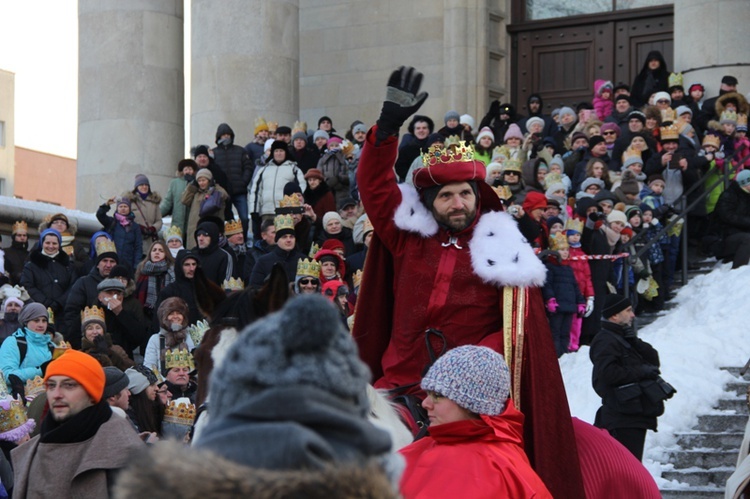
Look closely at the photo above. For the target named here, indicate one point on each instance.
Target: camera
(513, 210)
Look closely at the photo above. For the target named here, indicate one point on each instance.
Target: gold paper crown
(91, 314)
(299, 126)
(357, 278)
(291, 201)
(34, 387)
(682, 125)
(174, 231)
(558, 241)
(20, 226)
(674, 80)
(670, 132)
(272, 126)
(347, 148)
(197, 330)
(574, 224)
(232, 227)
(233, 284)
(282, 222)
(512, 165)
(51, 314)
(367, 226)
(631, 152)
(450, 153)
(159, 377)
(741, 120)
(14, 416)
(728, 115)
(668, 114)
(179, 413)
(308, 268)
(178, 358)
(314, 248)
(105, 246)
(503, 192)
(711, 139)
(260, 124)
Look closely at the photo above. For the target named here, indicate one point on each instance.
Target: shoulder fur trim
(412, 216)
(501, 255)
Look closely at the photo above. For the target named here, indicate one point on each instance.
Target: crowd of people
(579, 190)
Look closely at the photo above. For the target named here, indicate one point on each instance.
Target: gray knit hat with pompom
(476, 378)
(304, 343)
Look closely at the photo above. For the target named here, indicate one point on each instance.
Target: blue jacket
(127, 240)
(37, 353)
(561, 285)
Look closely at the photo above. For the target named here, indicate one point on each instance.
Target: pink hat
(513, 131)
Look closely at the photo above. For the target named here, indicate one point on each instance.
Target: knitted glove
(589, 306)
(552, 305)
(401, 101)
(100, 342)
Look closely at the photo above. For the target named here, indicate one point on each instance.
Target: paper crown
(92, 313)
(20, 226)
(682, 126)
(741, 120)
(174, 232)
(260, 125)
(451, 152)
(180, 411)
(314, 248)
(668, 114)
(503, 192)
(308, 268)
(558, 242)
(14, 423)
(512, 165)
(282, 222)
(232, 227)
(367, 226)
(728, 116)
(711, 139)
(272, 126)
(631, 155)
(34, 386)
(233, 284)
(574, 224)
(299, 126)
(178, 358)
(289, 204)
(51, 314)
(105, 246)
(347, 148)
(357, 278)
(197, 331)
(675, 80)
(670, 132)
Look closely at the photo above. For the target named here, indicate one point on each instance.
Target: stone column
(245, 64)
(709, 43)
(130, 96)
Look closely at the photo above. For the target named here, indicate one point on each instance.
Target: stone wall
(7, 140)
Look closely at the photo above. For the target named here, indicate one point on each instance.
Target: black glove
(17, 387)
(401, 101)
(43, 367)
(594, 217)
(643, 274)
(628, 332)
(100, 343)
(495, 109)
(649, 371)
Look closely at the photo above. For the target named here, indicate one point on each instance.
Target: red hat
(533, 201)
(332, 244)
(326, 252)
(627, 231)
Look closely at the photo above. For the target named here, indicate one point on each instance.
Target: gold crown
(272, 126)
(357, 278)
(574, 224)
(20, 226)
(174, 231)
(450, 153)
(674, 80)
(13, 416)
(741, 120)
(178, 358)
(670, 132)
(558, 242)
(232, 227)
(282, 222)
(503, 192)
(711, 139)
(179, 413)
(91, 314)
(512, 165)
(668, 114)
(34, 387)
(197, 330)
(683, 125)
(367, 226)
(347, 148)
(308, 268)
(105, 246)
(157, 373)
(290, 201)
(728, 115)
(233, 284)
(299, 126)
(260, 124)
(314, 248)
(631, 152)
(51, 314)
(60, 348)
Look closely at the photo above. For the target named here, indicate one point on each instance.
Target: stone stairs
(709, 452)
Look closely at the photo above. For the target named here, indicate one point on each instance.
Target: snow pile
(704, 332)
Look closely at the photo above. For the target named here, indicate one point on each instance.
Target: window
(2, 134)
(546, 9)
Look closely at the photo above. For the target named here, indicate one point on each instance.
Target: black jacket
(16, 256)
(649, 82)
(619, 361)
(733, 210)
(82, 294)
(264, 265)
(182, 287)
(234, 161)
(217, 263)
(48, 279)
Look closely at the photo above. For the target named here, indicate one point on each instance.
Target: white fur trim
(226, 340)
(500, 255)
(412, 216)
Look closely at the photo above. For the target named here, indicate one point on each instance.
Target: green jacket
(171, 204)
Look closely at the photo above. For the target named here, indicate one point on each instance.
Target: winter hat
(50, 232)
(122, 200)
(452, 115)
(684, 109)
(139, 378)
(696, 86)
(595, 141)
(320, 134)
(331, 215)
(332, 244)
(644, 208)
(591, 181)
(637, 115)
(606, 127)
(617, 216)
(557, 186)
(614, 304)
(568, 110)
(32, 311)
(110, 285)
(204, 173)
(532, 120)
(292, 188)
(494, 167)
(200, 150)
(554, 220)
(578, 135)
(83, 368)
(299, 135)
(555, 112)
(120, 271)
(12, 299)
(485, 132)
(513, 131)
(631, 211)
(172, 304)
(743, 178)
(467, 120)
(623, 97)
(283, 130)
(287, 349)
(534, 200)
(334, 142)
(186, 162)
(359, 127)
(656, 177)
(314, 173)
(627, 231)
(476, 378)
(141, 179)
(324, 118)
(557, 160)
(629, 185)
(115, 381)
(661, 96)
(605, 195)
(279, 144)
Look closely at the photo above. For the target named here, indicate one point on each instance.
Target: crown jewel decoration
(503, 192)
(675, 80)
(197, 330)
(92, 313)
(558, 242)
(574, 224)
(178, 358)
(34, 387)
(308, 268)
(105, 246)
(233, 284)
(670, 132)
(260, 122)
(450, 153)
(20, 226)
(711, 139)
(272, 126)
(742, 120)
(367, 226)
(631, 152)
(728, 115)
(180, 411)
(51, 314)
(290, 204)
(282, 222)
(314, 248)
(299, 126)
(232, 227)
(668, 114)
(174, 231)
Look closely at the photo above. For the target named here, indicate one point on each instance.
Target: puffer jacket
(48, 280)
(147, 214)
(267, 188)
(561, 285)
(234, 161)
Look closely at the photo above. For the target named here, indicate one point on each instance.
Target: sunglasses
(308, 281)
(511, 173)
(609, 132)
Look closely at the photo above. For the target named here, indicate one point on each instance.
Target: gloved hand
(100, 343)
(495, 109)
(643, 274)
(43, 367)
(17, 387)
(589, 306)
(401, 101)
(552, 305)
(581, 309)
(648, 371)
(594, 217)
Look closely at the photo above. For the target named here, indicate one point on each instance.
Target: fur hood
(742, 105)
(500, 255)
(44, 225)
(171, 470)
(133, 196)
(36, 257)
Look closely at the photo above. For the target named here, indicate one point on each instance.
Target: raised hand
(402, 99)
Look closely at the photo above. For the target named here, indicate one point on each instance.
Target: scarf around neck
(123, 220)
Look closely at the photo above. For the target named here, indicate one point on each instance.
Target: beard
(454, 221)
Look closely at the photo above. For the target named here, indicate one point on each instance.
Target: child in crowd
(603, 103)
(484, 146)
(582, 273)
(651, 226)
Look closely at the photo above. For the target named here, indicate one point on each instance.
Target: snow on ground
(707, 330)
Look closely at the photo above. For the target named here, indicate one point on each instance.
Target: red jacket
(582, 272)
(472, 459)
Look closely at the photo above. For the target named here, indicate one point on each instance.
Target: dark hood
(541, 104)
(655, 54)
(419, 117)
(224, 128)
(213, 231)
(181, 256)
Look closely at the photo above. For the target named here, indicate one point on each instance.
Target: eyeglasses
(308, 281)
(662, 101)
(434, 396)
(65, 385)
(609, 132)
(511, 173)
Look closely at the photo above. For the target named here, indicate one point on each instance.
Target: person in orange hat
(80, 444)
